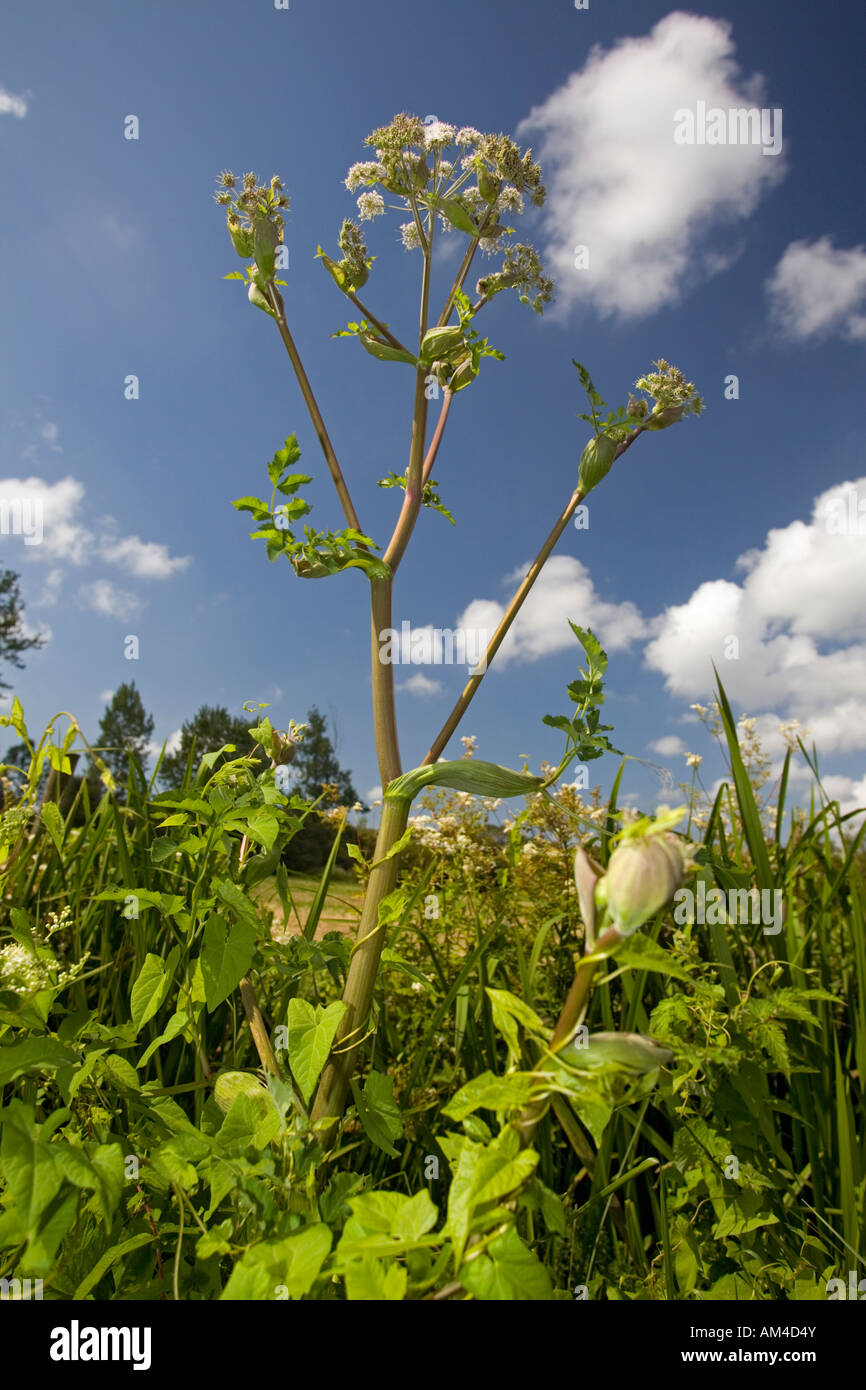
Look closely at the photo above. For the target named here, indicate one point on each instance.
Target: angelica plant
(439, 180)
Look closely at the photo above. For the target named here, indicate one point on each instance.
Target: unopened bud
(265, 241)
(643, 875)
(596, 462)
(464, 375)
(441, 342)
(242, 239)
(257, 297)
(616, 1051)
(660, 419)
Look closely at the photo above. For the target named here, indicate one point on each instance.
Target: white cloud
(817, 290)
(794, 629)
(563, 591)
(144, 559)
(372, 796)
(172, 744)
(105, 598)
(106, 695)
(419, 684)
(618, 182)
(49, 522)
(11, 105)
(671, 746)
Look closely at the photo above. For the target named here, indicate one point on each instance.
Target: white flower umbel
(370, 205)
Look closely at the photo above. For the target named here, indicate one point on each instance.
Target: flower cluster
(487, 180)
(248, 202)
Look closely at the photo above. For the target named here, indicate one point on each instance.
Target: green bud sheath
(463, 376)
(643, 875)
(265, 241)
(660, 419)
(242, 239)
(441, 342)
(631, 1052)
(596, 462)
(255, 296)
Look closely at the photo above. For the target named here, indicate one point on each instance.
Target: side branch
(448, 728)
(314, 411)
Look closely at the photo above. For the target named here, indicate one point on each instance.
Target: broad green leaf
(32, 1174)
(378, 1111)
(382, 1218)
(292, 1264)
(457, 215)
(33, 1055)
(149, 990)
(53, 822)
(311, 1033)
(507, 1271)
(374, 1282)
(226, 956)
(491, 1092)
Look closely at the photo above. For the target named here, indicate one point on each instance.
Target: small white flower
(368, 172)
(693, 760)
(370, 205)
(467, 135)
(409, 233)
(510, 200)
(438, 134)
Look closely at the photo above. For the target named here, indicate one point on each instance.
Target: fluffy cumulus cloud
(564, 591)
(49, 522)
(671, 746)
(107, 599)
(789, 639)
(818, 290)
(12, 105)
(618, 182)
(419, 684)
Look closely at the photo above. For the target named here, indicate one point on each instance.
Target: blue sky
(719, 258)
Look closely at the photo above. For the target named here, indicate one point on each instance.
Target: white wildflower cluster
(510, 200)
(438, 134)
(366, 173)
(467, 135)
(21, 971)
(693, 760)
(370, 205)
(791, 731)
(470, 742)
(57, 921)
(409, 235)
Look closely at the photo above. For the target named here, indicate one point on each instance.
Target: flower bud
(660, 419)
(265, 240)
(596, 462)
(643, 875)
(464, 375)
(630, 1052)
(242, 239)
(586, 876)
(255, 296)
(441, 342)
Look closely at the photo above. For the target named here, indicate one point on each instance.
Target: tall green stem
(364, 966)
